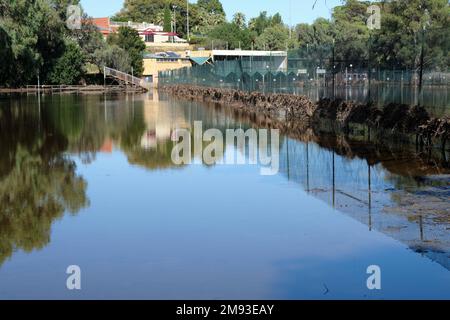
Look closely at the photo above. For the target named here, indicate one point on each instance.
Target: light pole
(187, 20)
(174, 7)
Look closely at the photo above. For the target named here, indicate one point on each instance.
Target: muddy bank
(285, 110)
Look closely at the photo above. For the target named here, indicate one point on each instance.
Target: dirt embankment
(286, 108)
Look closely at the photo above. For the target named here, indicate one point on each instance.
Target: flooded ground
(90, 181)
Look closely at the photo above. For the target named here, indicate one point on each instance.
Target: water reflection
(389, 188)
(398, 193)
(388, 185)
(38, 183)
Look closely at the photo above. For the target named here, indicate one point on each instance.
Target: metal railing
(125, 77)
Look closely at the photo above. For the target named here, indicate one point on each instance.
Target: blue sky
(302, 11)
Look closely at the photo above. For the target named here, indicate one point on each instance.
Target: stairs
(125, 78)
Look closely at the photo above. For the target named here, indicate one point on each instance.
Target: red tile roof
(103, 24)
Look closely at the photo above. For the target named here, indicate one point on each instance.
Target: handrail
(122, 76)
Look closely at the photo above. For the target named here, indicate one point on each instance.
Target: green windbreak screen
(321, 71)
(200, 60)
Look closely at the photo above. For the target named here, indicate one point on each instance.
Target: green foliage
(202, 22)
(61, 7)
(350, 30)
(112, 56)
(7, 57)
(89, 39)
(211, 6)
(273, 38)
(315, 42)
(240, 20)
(69, 67)
(262, 32)
(141, 10)
(167, 19)
(263, 21)
(32, 39)
(231, 35)
(406, 25)
(129, 40)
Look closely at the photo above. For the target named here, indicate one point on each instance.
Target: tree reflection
(38, 184)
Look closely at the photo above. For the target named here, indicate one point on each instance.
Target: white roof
(253, 53)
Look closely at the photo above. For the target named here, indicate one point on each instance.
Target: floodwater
(90, 181)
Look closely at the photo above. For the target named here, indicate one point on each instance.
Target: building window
(149, 38)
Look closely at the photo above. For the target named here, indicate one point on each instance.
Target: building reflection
(161, 122)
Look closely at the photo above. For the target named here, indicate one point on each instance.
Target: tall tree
(240, 20)
(112, 56)
(167, 19)
(34, 34)
(232, 36)
(129, 40)
(351, 32)
(141, 10)
(273, 38)
(260, 23)
(315, 43)
(406, 25)
(212, 6)
(68, 69)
